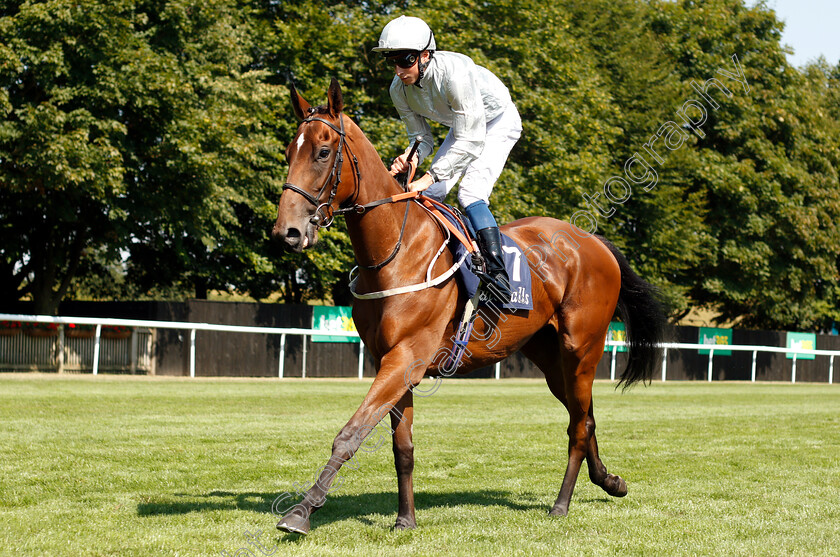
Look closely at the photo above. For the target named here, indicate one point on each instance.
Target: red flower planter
(42, 333)
(76, 332)
(10, 328)
(115, 332)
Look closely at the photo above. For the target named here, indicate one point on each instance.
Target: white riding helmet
(406, 33)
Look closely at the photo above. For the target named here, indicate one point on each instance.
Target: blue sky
(812, 28)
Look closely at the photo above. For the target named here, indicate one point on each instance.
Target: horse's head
(317, 162)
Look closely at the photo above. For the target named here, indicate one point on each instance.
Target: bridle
(324, 212)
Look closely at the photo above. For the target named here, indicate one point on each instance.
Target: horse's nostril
(277, 233)
(293, 239)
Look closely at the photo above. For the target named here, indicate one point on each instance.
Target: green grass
(144, 466)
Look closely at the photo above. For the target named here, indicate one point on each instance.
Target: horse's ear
(335, 100)
(300, 105)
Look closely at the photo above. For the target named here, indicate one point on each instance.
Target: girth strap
(435, 207)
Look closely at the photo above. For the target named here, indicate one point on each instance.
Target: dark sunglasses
(404, 61)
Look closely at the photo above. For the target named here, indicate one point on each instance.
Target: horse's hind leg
(612, 484)
(577, 378)
(574, 389)
(402, 418)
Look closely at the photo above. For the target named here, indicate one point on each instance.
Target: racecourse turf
(154, 466)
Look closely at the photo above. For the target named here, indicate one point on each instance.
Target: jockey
(484, 125)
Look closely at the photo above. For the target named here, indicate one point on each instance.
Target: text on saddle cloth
(516, 265)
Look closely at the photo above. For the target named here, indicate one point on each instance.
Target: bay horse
(579, 282)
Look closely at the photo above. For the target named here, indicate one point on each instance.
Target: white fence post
(498, 370)
(303, 364)
(60, 349)
(361, 360)
(281, 366)
(752, 375)
(96, 349)
(664, 362)
(793, 369)
(711, 356)
(612, 362)
(192, 352)
(134, 354)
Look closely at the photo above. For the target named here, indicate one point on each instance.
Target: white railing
(193, 328)
(284, 331)
(62, 351)
(736, 347)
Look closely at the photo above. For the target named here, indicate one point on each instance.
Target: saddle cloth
(516, 265)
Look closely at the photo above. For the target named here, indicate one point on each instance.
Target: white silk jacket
(459, 94)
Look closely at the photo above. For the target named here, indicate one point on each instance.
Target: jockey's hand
(422, 184)
(400, 164)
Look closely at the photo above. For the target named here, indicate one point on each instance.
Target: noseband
(324, 212)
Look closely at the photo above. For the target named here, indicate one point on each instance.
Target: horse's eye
(323, 153)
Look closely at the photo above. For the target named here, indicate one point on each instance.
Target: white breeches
(478, 179)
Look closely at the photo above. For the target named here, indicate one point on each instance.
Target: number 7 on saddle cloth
(516, 265)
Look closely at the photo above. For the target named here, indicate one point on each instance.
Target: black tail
(643, 313)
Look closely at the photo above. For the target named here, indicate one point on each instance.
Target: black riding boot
(496, 278)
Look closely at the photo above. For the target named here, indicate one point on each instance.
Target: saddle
(463, 239)
(462, 243)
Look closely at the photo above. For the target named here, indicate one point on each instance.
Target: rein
(434, 207)
(325, 213)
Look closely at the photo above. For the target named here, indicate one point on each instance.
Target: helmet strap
(421, 66)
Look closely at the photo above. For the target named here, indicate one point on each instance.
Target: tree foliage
(141, 143)
(767, 169)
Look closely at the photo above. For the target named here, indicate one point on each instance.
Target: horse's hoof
(615, 486)
(404, 524)
(558, 511)
(294, 523)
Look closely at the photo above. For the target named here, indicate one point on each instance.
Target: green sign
(807, 341)
(616, 333)
(712, 335)
(333, 318)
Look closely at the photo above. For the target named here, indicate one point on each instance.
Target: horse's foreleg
(353, 438)
(388, 389)
(344, 448)
(402, 418)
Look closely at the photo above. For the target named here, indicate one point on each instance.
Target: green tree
(143, 142)
(767, 167)
(139, 127)
(59, 162)
(662, 231)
